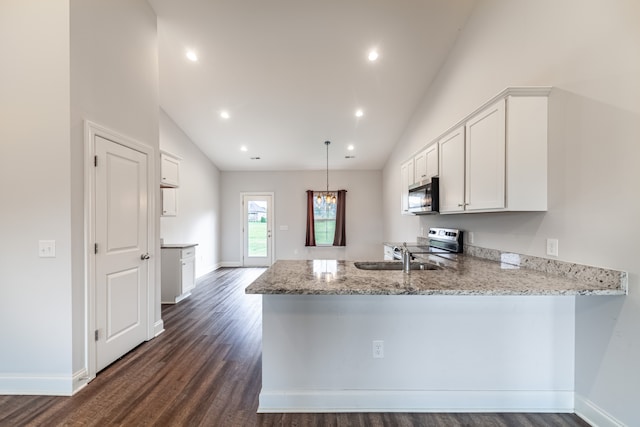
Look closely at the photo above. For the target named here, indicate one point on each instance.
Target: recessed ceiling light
(243, 148)
(224, 114)
(373, 55)
(350, 147)
(359, 113)
(191, 55)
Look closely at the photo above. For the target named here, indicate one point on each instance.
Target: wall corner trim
(158, 328)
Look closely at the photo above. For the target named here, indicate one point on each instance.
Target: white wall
(66, 61)
(35, 301)
(588, 51)
(363, 219)
(114, 83)
(198, 219)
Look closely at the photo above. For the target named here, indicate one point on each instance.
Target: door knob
(144, 256)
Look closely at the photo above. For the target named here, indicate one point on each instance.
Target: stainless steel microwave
(424, 197)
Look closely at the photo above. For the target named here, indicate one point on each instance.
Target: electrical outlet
(552, 247)
(47, 248)
(471, 237)
(378, 349)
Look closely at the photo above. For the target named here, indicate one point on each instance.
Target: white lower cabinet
(178, 272)
(388, 253)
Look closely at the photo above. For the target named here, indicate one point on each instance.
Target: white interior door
(121, 282)
(257, 240)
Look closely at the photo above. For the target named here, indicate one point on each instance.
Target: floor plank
(205, 369)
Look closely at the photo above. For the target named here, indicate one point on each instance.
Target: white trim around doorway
(273, 231)
(91, 130)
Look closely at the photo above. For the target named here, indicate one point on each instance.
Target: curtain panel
(340, 238)
(311, 231)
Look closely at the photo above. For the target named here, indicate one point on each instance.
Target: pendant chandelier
(327, 196)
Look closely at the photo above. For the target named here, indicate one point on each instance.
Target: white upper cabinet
(422, 167)
(169, 202)
(497, 160)
(493, 160)
(452, 163)
(426, 164)
(485, 159)
(169, 170)
(406, 179)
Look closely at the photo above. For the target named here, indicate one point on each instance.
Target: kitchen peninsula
(478, 334)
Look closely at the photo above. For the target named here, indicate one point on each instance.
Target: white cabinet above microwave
(419, 169)
(426, 164)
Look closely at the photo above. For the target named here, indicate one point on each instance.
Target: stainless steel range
(444, 242)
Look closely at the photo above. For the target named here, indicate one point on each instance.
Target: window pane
(257, 228)
(325, 231)
(324, 219)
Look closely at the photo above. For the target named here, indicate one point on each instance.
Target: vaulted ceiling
(291, 74)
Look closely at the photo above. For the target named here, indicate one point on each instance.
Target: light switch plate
(47, 248)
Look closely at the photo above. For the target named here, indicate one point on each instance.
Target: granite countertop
(469, 275)
(177, 245)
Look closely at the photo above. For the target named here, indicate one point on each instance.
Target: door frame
(273, 228)
(91, 130)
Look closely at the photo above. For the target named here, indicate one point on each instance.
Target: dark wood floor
(205, 370)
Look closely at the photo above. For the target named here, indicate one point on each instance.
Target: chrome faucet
(406, 259)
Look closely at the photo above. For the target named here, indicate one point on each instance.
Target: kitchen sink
(393, 265)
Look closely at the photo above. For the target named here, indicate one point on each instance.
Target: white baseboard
(593, 414)
(415, 401)
(45, 385)
(158, 328)
(230, 264)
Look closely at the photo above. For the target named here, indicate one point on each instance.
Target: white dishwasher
(178, 272)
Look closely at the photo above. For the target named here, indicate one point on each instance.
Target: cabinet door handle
(145, 257)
